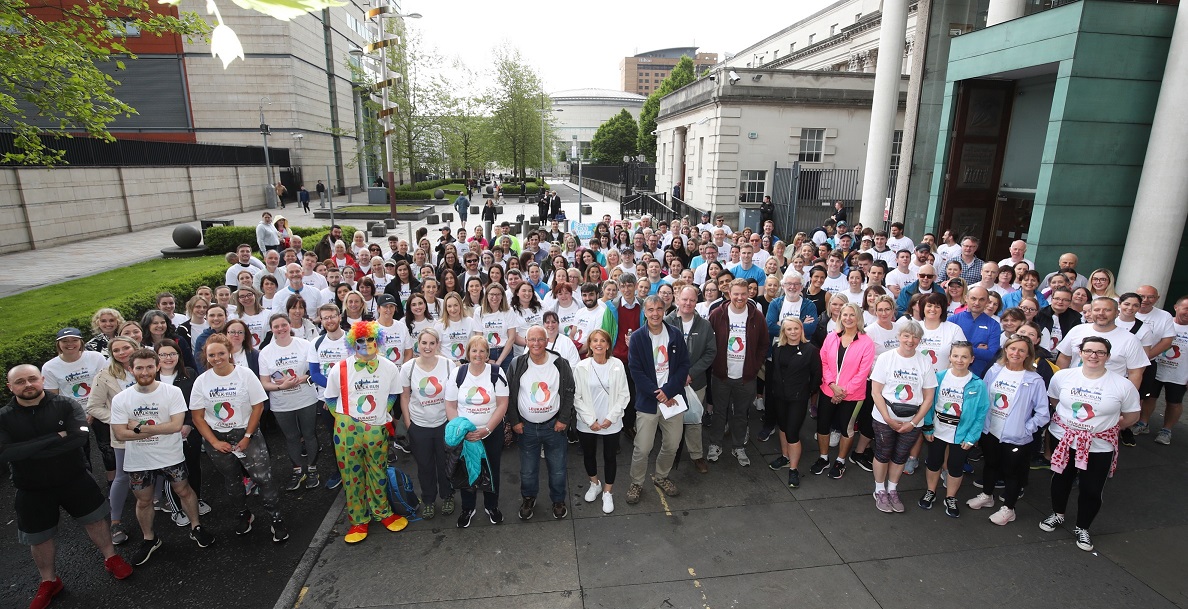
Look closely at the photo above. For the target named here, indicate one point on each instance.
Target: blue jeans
(556, 448)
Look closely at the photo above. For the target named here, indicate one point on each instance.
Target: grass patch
(51, 306)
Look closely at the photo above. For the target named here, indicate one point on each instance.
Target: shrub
(223, 239)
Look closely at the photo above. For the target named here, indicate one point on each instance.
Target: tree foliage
(57, 63)
(682, 74)
(465, 125)
(615, 139)
(419, 99)
(517, 102)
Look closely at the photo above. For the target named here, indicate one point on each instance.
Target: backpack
(401, 495)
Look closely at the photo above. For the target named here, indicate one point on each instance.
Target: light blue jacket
(807, 309)
(974, 407)
(1030, 411)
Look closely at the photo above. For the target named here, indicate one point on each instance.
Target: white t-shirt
(477, 397)
(736, 344)
(565, 348)
(494, 327)
(526, 318)
(312, 296)
(936, 344)
(1173, 366)
(233, 271)
(1092, 405)
(74, 379)
(455, 337)
(258, 325)
(427, 391)
(395, 340)
(884, 340)
(418, 327)
(950, 402)
(1009, 262)
(154, 408)
(539, 396)
(901, 279)
(660, 356)
(315, 281)
(278, 363)
(1126, 353)
(790, 308)
(833, 285)
(226, 401)
(567, 316)
(904, 380)
(587, 321)
(369, 392)
(902, 243)
(1144, 335)
(1002, 399)
(326, 354)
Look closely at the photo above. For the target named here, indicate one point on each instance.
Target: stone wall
(41, 207)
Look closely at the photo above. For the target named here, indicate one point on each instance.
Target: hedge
(224, 239)
(37, 347)
(430, 185)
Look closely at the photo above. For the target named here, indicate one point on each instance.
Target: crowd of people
(476, 343)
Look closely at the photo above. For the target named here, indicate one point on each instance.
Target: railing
(90, 152)
(658, 206)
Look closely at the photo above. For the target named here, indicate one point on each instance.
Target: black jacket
(793, 374)
(29, 440)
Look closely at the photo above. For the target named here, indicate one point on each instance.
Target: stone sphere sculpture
(439, 194)
(187, 236)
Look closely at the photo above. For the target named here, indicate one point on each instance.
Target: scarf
(473, 453)
(1080, 441)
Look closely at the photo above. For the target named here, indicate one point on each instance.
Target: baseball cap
(842, 223)
(385, 299)
(867, 238)
(445, 229)
(923, 247)
(69, 333)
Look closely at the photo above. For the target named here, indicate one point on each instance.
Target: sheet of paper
(678, 406)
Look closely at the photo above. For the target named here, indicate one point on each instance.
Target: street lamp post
(542, 136)
(264, 130)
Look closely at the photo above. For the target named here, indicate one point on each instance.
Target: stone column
(1004, 10)
(892, 35)
(1161, 205)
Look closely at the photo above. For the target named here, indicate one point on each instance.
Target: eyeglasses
(1032, 309)
(1094, 353)
(235, 333)
(165, 354)
(926, 276)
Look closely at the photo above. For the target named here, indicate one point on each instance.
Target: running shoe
(526, 508)
(882, 501)
(893, 499)
(793, 478)
(447, 506)
(334, 481)
(296, 480)
(464, 518)
(428, 512)
(145, 551)
(951, 509)
(741, 455)
(559, 510)
(766, 433)
(713, 453)
(494, 515)
(117, 566)
(1039, 462)
(118, 534)
(401, 444)
(594, 492)
(244, 524)
(1163, 437)
(311, 479)
(202, 537)
(203, 508)
(1127, 437)
(837, 469)
(909, 468)
(180, 519)
(819, 466)
(778, 463)
(927, 500)
(608, 503)
(1003, 516)
(279, 531)
(834, 439)
(46, 592)
(863, 460)
(981, 501)
(1140, 429)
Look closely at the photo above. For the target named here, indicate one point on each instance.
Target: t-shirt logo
(661, 355)
(1000, 402)
(494, 339)
(81, 390)
(1083, 411)
(931, 355)
(540, 393)
(366, 404)
(223, 411)
(1173, 353)
(477, 395)
(430, 387)
(735, 344)
(951, 407)
(903, 393)
(457, 350)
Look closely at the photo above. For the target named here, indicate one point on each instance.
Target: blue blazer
(643, 367)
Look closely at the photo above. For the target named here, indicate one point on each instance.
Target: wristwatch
(247, 435)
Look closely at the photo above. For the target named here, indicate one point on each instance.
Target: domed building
(577, 114)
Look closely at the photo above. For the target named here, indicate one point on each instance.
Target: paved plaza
(738, 537)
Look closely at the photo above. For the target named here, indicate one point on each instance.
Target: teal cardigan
(973, 409)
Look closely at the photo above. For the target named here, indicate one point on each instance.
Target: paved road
(738, 537)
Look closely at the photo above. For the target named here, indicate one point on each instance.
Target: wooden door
(975, 159)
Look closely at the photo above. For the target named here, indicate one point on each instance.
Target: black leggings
(610, 443)
(103, 441)
(936, 457)
(835, 417)
(866, 414)
(1010, 463)
(789, 416)
(1092, 483)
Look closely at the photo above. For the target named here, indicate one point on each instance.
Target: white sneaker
(1003, 516)
(834, 439)
(759, 404)
(981, 501)
(592, 494)
(741, 455)
(203, 508)
(180, 519)
(608, 503)
(713, 453)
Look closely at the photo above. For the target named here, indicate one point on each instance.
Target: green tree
(682, 74)
(57, 64)
(615, 139)
(465, 125)
(417, 100)
(517, 103)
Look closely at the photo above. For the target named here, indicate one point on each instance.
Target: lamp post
(379, 13)
(542, 135)
(264, 130)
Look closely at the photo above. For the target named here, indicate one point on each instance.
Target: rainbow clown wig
(362, 330)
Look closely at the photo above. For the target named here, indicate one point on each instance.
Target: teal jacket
(973, 409)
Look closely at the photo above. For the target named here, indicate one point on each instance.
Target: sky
(579, 45)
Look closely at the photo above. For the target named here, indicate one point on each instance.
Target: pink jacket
(855, 367)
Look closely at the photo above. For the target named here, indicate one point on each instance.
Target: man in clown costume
(360, 393)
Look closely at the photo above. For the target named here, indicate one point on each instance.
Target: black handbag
(459, 476)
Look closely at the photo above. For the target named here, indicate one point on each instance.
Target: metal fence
(642, 176)
(658, 205)
(90, 152)
(804, 198)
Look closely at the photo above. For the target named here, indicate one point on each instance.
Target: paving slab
(859, 532)
(1153, 556)
(812, 588)
(511, 559)
(711, 542)
(1052, 574)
